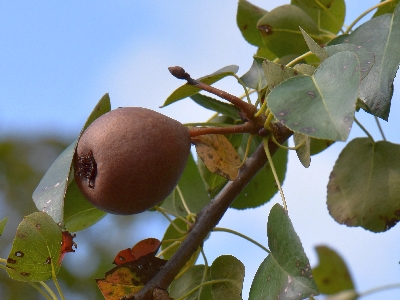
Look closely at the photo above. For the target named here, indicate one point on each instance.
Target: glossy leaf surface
(36, 250)
(227, 267)
(79, 213)
(286, 272)
(322, 105)
(364, 186)
(331, 274)
(188, 90)
(49, 194)
(280, 30)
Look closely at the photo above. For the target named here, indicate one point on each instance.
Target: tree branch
(209, 217)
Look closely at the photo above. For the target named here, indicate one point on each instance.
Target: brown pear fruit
(130, 159)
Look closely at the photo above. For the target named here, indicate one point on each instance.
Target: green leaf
(49, 194)
(322, 105)
(286, 272)
(227, 267)
(188, 90)
(247, 17)
(314, 47)
(327, 13)
(318, 145)
(366, 57)
(192, 189)
(364, 186)
(265, 53)
(36, 249)
(388, 8)
(255, 78)
(379, 35)
(280, 30)
(305, 69)
(277, 73)
(172, 234)
(3, 225)
(216, 105)
(213, 182)
(262, 187)
(191, 279)
(331, 275)
(303, 153)
(79, 213)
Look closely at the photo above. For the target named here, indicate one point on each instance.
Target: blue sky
(58, 59)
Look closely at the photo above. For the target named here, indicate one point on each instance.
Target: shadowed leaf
(364, 186)
(247, 17)
(331, 275)
(191, 279)
(303, 153)
(286, 272)
(230, 268)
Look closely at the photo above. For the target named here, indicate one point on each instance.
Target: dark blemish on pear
(87, 168)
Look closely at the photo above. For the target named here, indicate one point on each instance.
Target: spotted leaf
(218, 155)
(286, 272)
(321, 105)
(364, 186)
(36, 250)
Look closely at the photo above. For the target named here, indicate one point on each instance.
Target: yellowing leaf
(218, 155)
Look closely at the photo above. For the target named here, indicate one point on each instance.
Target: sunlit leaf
(328, 14)
(314, 47)
(191, 279)
(247, 17)
(3, 225)
(263, 186)
(36, 250)
(188, 90)
(322, 105)
(364, 186)
(193, 191)
(79, 213)
(331, 275)
(286, 272)
(265, 53)
(303, 153)
(381, 36)
(255, 77)
(277, 73)
(305, 69)
(227, 267)
(365, 57)
(216, 105)
(280, 30)
(49, 194)
(129, 277)
(388, 8)
(218, 155)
